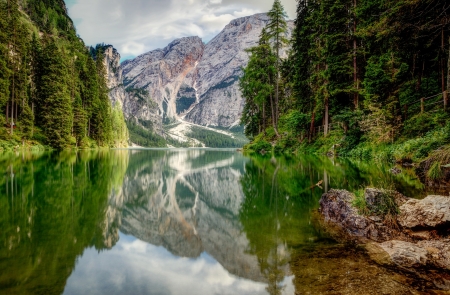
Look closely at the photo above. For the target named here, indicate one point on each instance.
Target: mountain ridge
(190, 81)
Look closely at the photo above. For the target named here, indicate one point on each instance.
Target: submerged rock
(428, 260)
(430, 212)
(416, 241)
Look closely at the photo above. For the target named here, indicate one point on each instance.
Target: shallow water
(183, 222)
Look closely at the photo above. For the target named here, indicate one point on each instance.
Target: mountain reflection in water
(192, 221)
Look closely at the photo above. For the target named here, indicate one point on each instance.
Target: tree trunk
(443, 60)
(272, 106)
(325, 127)
(326, 121)
(355, 66)
(12, 105)
(264, 117)
(448, 70)
(277, 90)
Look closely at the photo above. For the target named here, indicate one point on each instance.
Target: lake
(183, 221)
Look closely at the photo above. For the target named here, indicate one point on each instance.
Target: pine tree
(55, 108)
(276, 31)
(300, 58)
(79, 121)
(4, 70)
(101, 113)
(26, 120)
(257, 88)
(119, 127)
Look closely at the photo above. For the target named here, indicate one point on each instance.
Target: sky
(138, 26)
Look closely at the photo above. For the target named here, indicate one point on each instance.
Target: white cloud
(133, 266)
(137, 26)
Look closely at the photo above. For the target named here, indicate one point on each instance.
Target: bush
(261, 146)
(418, 125)
(294, 121)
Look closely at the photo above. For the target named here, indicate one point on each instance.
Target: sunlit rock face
(135, 107)
(195, 81)
(178, 201)
(221, 102)
(163, 72)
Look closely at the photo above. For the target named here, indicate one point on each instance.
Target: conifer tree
(276, 31)
(26, 120)
(257, 88)
(101, 115)
(55, 111)
(4, 70)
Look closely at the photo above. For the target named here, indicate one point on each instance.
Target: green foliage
(362, 64)
(183, 103)
(119, 127)
(48, 79)
(294, 121)
(55, 109)
(214, 139)
(359, 202)
(144, 137)
(256, 85)
(260, 147)
(435, 171)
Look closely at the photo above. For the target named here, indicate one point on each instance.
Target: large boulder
(433, 211)
(345, 223)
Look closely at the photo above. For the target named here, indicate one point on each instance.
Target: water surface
(191, 221)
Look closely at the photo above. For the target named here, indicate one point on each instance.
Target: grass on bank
(414, 144)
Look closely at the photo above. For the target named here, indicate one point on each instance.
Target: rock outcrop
(415, 241)
(345, 223)
(433, 211)
(135, 104)
(163, 72)
(220, 100)
(191, 80)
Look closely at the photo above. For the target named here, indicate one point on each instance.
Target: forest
(365, 79)
(53, 91)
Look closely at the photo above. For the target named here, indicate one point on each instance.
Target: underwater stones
(430, 212)
(429, 260)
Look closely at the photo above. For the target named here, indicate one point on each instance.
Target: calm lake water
(182, 222)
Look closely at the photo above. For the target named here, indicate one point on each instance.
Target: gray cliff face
(221, 102)
(194, 81)
(163, 72)
(135, 106)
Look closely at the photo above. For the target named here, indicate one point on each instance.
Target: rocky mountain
(190, 81)
(136, 104)
(218, 72)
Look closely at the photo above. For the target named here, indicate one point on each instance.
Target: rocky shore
(416, 239)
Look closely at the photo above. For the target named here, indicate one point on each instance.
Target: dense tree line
(52, 89)
(359, 63)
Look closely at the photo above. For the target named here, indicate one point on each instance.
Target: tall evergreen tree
(55, 107)
(257, 87)
(101, 115)
(276, 31)
(4, 56)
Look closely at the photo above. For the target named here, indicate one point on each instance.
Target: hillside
(53, 87)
